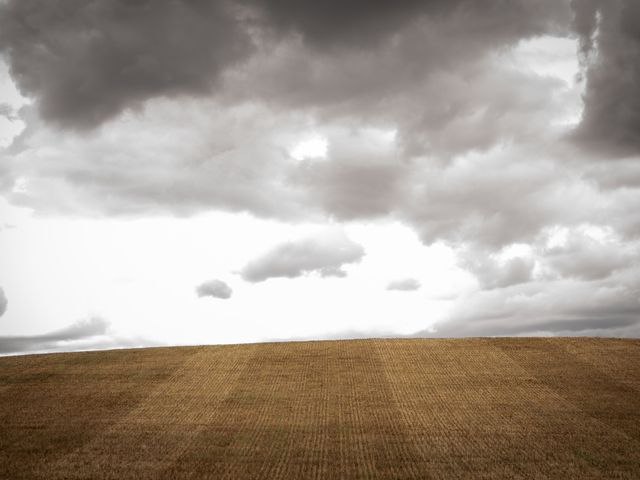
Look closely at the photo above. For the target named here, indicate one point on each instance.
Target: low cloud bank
(87, 334)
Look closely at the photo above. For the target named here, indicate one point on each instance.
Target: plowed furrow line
(78, 398)
(611, 357)
(551, 365)
(164, 424)
(253, 425)
(485, 415)
(302, 455)
(395, 454)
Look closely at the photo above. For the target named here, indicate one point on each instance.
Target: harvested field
(361, 409)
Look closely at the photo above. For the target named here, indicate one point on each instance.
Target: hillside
(401, 409)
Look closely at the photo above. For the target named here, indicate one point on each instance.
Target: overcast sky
(196, 171)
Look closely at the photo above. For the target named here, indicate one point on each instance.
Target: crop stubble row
(366, 409)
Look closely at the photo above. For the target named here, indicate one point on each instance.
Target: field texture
(364, 409)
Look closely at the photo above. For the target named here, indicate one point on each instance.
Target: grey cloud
(223, 163)
(330, 23)
(350, 189)
(8, 112)
(493, 274)
(3, 302)
(625, 174)
(214, 288)
(404, 285)
(477, 161)
(586, 285)
(325, 253)
(569, 306)
(79, 331)
(362, 177)
(435, 58)
(86, 61)
(151, 165)
(610, 44)
(470, 203)
(362, 23)
(332, 272)
(88, 334)
(588, 259)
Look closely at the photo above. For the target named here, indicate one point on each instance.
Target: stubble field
(358, 409)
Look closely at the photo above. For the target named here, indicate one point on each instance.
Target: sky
(199, 172)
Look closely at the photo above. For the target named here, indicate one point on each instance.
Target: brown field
(362, 409)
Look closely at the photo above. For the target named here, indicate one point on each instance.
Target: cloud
(435, 55)
(583, 280)
(214, 288)
(493, 273)
(3, 302)
(92, 329)
(334, 23)
(386, 151)
(361, 178)
(362, 23)
(610, 46)
(563, 307)
(89, 334)
(404, 285)
(153, 163)
(448, 117)
(325, 253)
(86, 61)
(585, 257)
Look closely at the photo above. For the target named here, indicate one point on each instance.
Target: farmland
(354, 409)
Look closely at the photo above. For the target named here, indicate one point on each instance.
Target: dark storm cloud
(435, 82)
(610, 46)
(215, 289)
(85, 61)
(325, 254)
(363, 23)
(434, 79)
(3, 302)
(404, 285)
(332, 22)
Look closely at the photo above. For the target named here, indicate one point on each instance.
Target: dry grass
(365, 409)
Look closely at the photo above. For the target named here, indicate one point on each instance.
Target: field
(357, 409)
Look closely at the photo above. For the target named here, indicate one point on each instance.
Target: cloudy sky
(199, 171)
